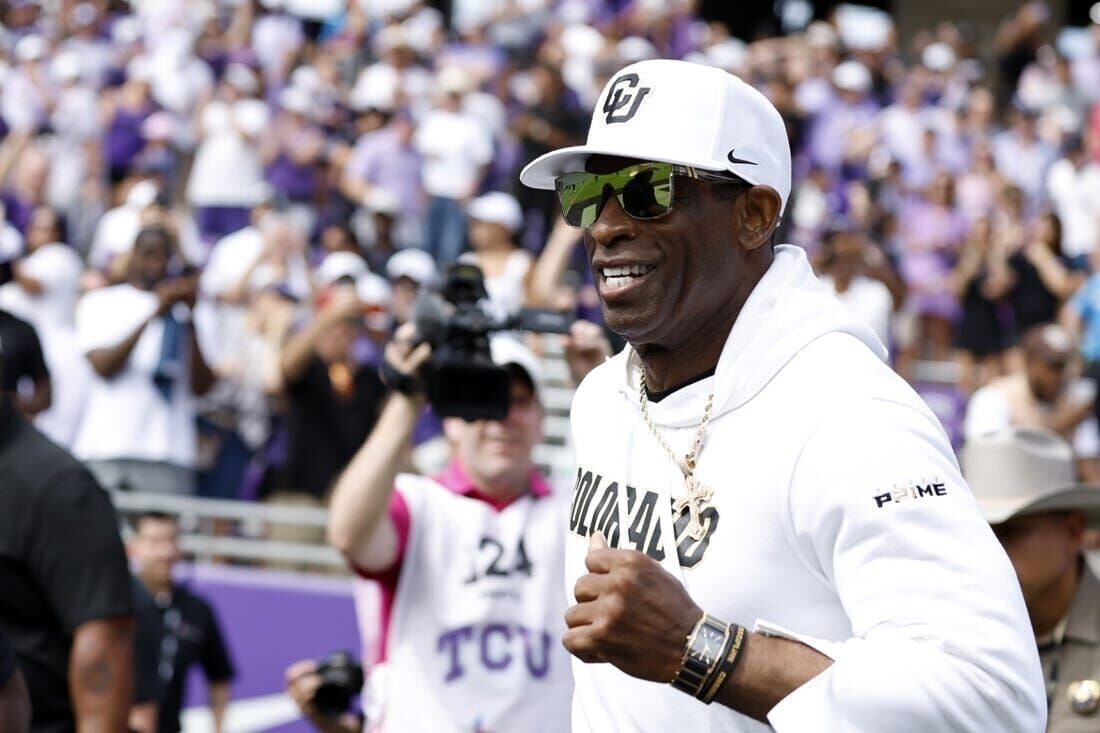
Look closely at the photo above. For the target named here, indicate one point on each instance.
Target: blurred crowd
(216, 213)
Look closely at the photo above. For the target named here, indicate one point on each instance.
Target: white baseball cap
(510, 350)
(683, 113)
(1020, 471)
(415, 264)
(339, 265)
(497, 207)
(852, 76)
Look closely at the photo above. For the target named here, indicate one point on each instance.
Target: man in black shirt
(23, 356)
(65, 605)
(15, 704)
(148, 635)
(190, 633)
(333, 399)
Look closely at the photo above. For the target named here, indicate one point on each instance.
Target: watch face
(707, 643)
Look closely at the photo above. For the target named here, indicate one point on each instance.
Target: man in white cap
(470, 562)
(1023, 479)
(408, 271)
(807, 558)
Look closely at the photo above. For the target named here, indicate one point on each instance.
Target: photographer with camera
(304, 682)
(138, 429)
(469, 561)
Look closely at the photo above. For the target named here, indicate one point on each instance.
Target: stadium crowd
(289, 174)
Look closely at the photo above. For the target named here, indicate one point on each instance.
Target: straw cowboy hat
(1026, 471)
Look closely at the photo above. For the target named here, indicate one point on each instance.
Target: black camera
(341, 680)
(461, 378)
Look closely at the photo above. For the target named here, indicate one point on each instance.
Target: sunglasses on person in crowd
(643, 190)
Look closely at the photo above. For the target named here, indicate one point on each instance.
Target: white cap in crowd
(66, 67)
(852, 76)
(684, 113)
(340, 265)
(510, 350)
(296, 100)
(415, 264)
(497, 208)
(31, 47)
(241, 78)
(376, 295)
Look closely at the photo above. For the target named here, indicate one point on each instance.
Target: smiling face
(660, 279)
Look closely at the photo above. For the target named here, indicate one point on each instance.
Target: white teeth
(626, 270)
(618, 282)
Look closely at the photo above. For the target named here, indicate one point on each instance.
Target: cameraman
(470, 562)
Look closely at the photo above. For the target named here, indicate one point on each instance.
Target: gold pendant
(695, 494)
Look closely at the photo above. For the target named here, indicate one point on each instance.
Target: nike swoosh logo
(730, 158)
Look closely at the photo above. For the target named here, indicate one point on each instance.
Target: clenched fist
(630, 612)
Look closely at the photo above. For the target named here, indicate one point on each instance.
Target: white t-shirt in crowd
(990, 410)
(507, 290)
(115, 233)
(868, 300)
(57, 268)
(227, 169)
(455, 147)
(126, 416)
(1076, 196)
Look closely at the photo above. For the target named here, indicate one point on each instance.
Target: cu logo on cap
(623, 95)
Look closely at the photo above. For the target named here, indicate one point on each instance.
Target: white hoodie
(838, 513)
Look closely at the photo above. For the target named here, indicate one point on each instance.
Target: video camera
(462, 379)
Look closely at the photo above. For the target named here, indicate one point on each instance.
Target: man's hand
(177, 290)
(586, 347)
(630, 612)
(404, 356)
(302, 682)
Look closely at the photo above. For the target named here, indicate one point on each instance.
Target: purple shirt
(381, 158)
(828, 139)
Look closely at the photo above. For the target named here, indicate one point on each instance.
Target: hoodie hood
(787, 310)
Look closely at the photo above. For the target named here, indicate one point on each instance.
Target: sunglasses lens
(648, 192)
(580, 194)
(643, 190)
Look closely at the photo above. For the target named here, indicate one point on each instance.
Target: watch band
(710, 654)
(702, 653)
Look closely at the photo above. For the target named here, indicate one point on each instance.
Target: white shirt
(869, 301)
(990, 410)
(115, 233)
(1076, 197)
(507, 289)
(839, 519)
(125, 416)
(477, 618)
(455, 148)
(227, 169)
(57, 268)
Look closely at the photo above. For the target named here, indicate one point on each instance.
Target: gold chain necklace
(695, 493)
